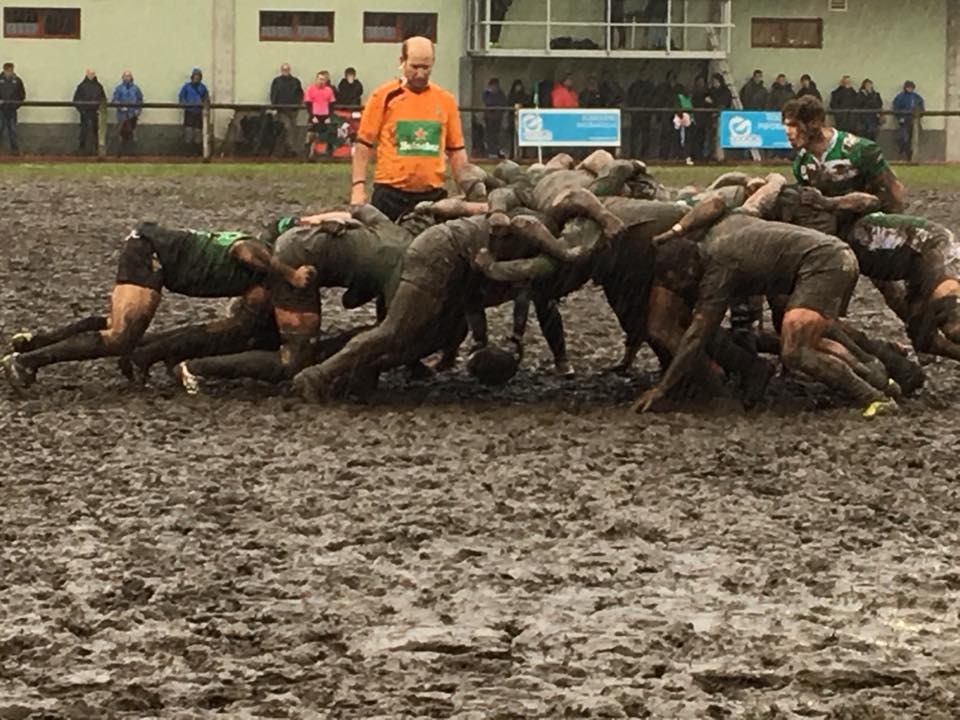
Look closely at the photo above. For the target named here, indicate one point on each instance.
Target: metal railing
(470, 115)
(703, 31)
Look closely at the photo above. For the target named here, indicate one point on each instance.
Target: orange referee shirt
(412, 132)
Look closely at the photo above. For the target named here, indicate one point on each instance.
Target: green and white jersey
(849, 164)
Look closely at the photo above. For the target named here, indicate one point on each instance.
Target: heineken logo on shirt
(418, 138)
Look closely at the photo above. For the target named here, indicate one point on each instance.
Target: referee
(413, 125)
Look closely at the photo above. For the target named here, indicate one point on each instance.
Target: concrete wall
(161, 40)
(889, 42)
(158, 40)
(258, 62)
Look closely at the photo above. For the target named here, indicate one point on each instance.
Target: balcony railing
(685, 29)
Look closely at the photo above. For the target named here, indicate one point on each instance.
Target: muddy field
(451, 550)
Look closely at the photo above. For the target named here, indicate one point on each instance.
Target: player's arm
(859, 203)
(707, 212)
(361, 159)
(762, 202)
(892, 193)
(258, 256)
(452, 208)
(515, 271)
(531, 229)
(705, 322)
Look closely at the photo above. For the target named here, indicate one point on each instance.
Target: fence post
(102, 129)
(915, 136)
(207, 132)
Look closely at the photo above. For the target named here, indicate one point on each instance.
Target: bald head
(285, 69)
(91, 74)
(416, 62)
(127, 76)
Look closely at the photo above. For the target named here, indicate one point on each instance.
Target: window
(397, 27)
(787, 33)
(301, 26)
(838, 5)
(19, 22)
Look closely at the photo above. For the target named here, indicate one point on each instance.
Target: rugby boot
(188, 381)
(18, 375)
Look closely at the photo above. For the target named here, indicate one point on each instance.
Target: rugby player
(153, 258)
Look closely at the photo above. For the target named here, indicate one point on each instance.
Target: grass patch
(945, 177)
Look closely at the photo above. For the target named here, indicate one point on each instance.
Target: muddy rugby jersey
(198, 262)
(412, 131)
(885, 244)
(850, 164)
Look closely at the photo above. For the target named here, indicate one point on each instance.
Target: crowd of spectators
(689, 132)
(286, 90)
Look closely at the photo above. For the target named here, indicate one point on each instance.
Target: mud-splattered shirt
(849, 164)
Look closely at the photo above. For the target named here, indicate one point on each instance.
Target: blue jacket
(193, 96)
(903, 105)
(124, 93)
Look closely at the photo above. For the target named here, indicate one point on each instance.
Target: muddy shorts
(825, 282)
(433, 262)
(139, 264)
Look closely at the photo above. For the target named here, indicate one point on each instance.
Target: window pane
(21, 21)
(61, 22)
(418, 24)
(804, 33)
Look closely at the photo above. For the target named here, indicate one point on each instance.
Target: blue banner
(752, 129)
(568, 128)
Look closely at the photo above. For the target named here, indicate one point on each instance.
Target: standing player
(413, 125)
(837, 162)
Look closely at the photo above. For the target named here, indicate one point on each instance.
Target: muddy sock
(906, 373)
(194, 341)
(733, 357)
(255, 364)
(42, 339)
(84, 346)
(837, 375)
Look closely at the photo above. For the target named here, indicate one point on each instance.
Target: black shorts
(394, 202)
(139, 263)
(825, 282)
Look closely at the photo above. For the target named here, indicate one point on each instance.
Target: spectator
(350, 90)
(719, 98)
(665, 96)
(517, 98)
(590, 96)
(193, 96)
(129, 97)
(563, 95)
(87, 98)
(494, 101)
(611, 94)
(12, 93)
(808, 87)
(320, 98)
(780, 92)
(640, 95)
(702, 121)
(904, 105)
(286, 89)
(869, 99)
(842, 100)
(616, 16)
(542, 93)
(753, 94)
(683, 127)
(498, 12)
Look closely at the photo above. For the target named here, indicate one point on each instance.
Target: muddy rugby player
(153, 258)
